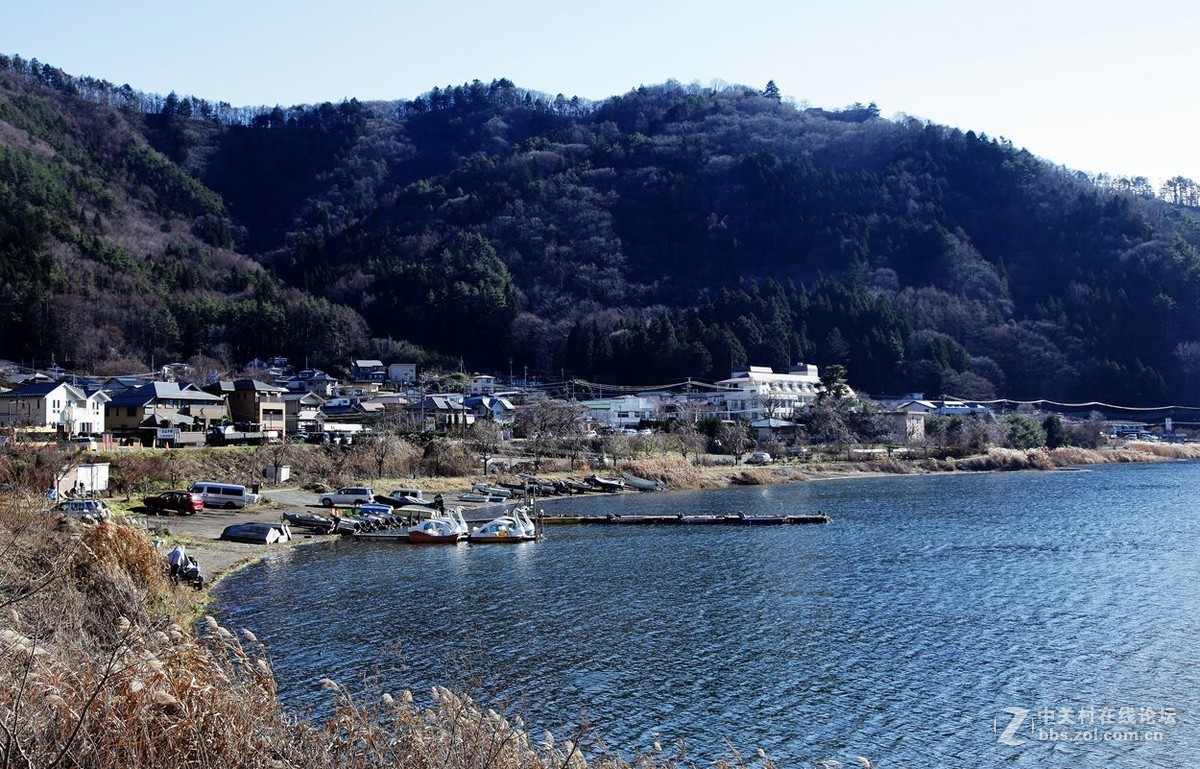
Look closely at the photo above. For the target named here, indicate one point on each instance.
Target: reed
(677, 473)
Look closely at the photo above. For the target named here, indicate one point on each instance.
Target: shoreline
(200, 534)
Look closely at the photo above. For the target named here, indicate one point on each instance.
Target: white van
(223, 495)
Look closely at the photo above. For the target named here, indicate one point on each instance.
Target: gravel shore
(200, 534)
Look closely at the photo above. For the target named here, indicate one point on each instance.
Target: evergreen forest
(671, 232)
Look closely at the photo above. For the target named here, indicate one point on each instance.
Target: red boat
(442, 530)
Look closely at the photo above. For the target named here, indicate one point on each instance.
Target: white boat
(475, 496)
(515, 527)
(446, 529)
(492, 491)
(642, 484)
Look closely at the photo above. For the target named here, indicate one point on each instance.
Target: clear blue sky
(1099, 86)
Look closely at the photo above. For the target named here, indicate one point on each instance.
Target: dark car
(181, 502)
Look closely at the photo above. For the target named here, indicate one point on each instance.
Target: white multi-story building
(757, 392)
(56, 406)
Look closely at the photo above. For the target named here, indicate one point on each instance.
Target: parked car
(83, 443)
(86, 509)
(348, 495)
(227, 495)
(180, 502)
(759, 458)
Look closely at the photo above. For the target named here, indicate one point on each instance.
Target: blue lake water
(1017, 619)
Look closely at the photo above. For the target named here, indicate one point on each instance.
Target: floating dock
(685, 519)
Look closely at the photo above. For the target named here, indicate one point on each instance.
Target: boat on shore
(317, 524)
(606, 484)
(475, 496)
(491, 491)
(643, 484)
(257, 533)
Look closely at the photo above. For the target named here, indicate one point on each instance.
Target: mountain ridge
(668, 232)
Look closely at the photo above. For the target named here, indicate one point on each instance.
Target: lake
(1024, 619)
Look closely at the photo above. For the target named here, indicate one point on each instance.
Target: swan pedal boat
(516, 527)
(446, 529)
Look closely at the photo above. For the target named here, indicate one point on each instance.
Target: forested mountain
(670, 232)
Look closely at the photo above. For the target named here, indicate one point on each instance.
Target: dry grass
(676, 472)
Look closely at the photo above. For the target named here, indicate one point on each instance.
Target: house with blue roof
(165, 413)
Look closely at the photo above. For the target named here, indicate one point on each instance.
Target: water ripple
(899, 632)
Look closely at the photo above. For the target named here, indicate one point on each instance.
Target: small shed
(89, 479)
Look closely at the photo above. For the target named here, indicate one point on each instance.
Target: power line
(1088, 404)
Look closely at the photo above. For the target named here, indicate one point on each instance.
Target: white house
(757, 392)
(402, 373)
(56, 406)
(626, 412)
(482, 384)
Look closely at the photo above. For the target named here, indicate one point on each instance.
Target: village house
(442, 412)
(491, 407)
(276, 368)
(482, 384)
(402, 373)
(253, 403)
(313, 381)
(943, 407)
(164, 413)
(909, 426)
(57, 407)
(302, 412)
(368, 374)
(626, 412)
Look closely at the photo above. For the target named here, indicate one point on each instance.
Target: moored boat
(446, 529)
(513, 527)
(475, 496)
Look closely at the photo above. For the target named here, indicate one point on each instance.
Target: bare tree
(544, 423)
(734, 438)
(486, 436)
